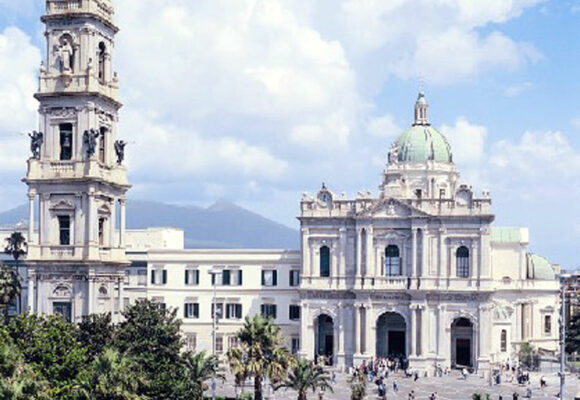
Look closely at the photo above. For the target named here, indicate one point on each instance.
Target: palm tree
(15, 245)
(10, 288)
(358, 386)
(261, 353)
(305, 375)
(111, 376)
(200, 368)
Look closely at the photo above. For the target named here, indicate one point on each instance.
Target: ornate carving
(459, 297)
(390, 296)
(327, 295)
(120, 150)
(61, 291)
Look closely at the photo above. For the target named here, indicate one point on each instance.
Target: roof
(540, 268)
(509, 235)
(422, 143)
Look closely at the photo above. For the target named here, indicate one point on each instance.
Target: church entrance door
(324, 340)
(391, 335)
(462, 343)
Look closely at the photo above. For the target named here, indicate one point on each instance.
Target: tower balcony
(88, 83)
(39, 170)
(101, 8)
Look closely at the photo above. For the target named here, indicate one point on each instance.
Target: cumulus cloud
(384, 127)
(467, 140)
(518, 88)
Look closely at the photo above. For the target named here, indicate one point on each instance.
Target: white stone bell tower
(76, 257)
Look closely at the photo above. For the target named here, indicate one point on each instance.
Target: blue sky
(257, 101)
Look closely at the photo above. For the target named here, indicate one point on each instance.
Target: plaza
(450, 387)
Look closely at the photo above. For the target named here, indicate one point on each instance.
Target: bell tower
(76, 256)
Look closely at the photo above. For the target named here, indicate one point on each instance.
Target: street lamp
(563, 284)
(214, 274)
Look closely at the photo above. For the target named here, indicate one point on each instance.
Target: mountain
(222, 225)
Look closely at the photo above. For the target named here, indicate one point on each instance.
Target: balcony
(51, 83)
(86, 169)
(101, 8)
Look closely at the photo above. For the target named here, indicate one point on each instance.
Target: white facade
(416, 271)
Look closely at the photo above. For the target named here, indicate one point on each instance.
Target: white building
(417, 271)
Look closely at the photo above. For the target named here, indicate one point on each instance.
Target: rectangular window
(503, 341)
(220, 310)
(191, 310)
(159, 276)
(190, 341)
(441, 193)
(547, 325)
(294, 312)
(66, 139)
(160, 302)
(269, 311)
(233, 342)
(236, 277)
(419, 193)
(219, 344)
(295, 345)
(126, 302)
(294, 278)
(142, 277)
(233, 311)
(64, 309)
(229, 277)
(226, 277)
(64, 230)
(269, 278)
(192, 277)
(127, 279)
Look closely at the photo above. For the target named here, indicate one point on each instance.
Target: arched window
(392, 261)
(462, 256)
(102, 56)
(503, 341)
(324, 262)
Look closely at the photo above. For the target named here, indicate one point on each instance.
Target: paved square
(450, 387)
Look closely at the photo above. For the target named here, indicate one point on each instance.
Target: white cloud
(467, 141)
(518, 88)
(19, 60)
(575, 123)
(384, 127)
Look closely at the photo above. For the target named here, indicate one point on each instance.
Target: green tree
(480, 396)
(573, 334)
(95, 333)
(261, 353)
(200, 368)
(305, 376)
(110, 376)
(49, 344)
(151, 336)
(10, 288)
(528, 356)
(18, 381)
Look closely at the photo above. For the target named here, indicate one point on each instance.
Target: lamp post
(563, 284)
(214, 274)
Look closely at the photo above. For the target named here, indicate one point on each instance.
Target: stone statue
(66, 56)
(90, 139)
(394, 154)
(36, 140)
(120, 150)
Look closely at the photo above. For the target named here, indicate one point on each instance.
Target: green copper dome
(423, 143)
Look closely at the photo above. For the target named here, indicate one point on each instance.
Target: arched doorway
(324, 338)
(462, 343)
(391, 336)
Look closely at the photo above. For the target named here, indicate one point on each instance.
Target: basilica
(417, 271)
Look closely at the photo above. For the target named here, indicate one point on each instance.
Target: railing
(62, 167)
(102, 8)
(62, 251)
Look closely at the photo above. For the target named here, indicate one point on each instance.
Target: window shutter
(263, 278)
(274, 311)
(238, 311)
(153, 276)
(196, 275)
(275, 278)
(187, 277)
(185, 311)
(212, 279)
(291, 278)
(240, 278)
(164, 276)
(226, 277)
(263, 310)
(228, 309)
(196, 310)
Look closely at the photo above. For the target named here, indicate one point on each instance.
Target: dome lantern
(421, 110)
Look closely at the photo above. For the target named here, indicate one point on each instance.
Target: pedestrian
(395, 386)
(416, 376)
(333, 377)
(515, 396)
(412, 395)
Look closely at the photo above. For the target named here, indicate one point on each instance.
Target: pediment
(63, 205)
(392, 208)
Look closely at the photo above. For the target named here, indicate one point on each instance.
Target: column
(369, 329)
(357, 330)
(370, 254)
(45, 218)
(441, 255)
(91, 292)
(30, 293)
(424, 252)
(112, 223)
(342, 265)
(120, 297)
(304, 331)
(413, 330)
(414, 254)
(306, 261)
(364, 328)
(122, 203)
(78, 233)
(433, 330)
(91, 215)
(378, 263)
(518, 335)
(359, 243)
(475, 262)
(31, 197)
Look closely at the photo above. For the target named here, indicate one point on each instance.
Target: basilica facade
(417, 271)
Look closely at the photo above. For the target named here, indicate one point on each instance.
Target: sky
(259, 101)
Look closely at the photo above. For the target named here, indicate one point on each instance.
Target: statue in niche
(66, 55)
(36, 140)
(394, 154)
(120, 150)
(90, 139)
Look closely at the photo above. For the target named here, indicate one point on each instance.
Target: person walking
(395, 386)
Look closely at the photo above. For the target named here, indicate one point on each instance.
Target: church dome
(540, 268)
(422, 142)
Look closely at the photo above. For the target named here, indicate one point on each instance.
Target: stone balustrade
(102, 8)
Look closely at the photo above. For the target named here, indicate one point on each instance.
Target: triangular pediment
(63, 205)
(392, 208)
